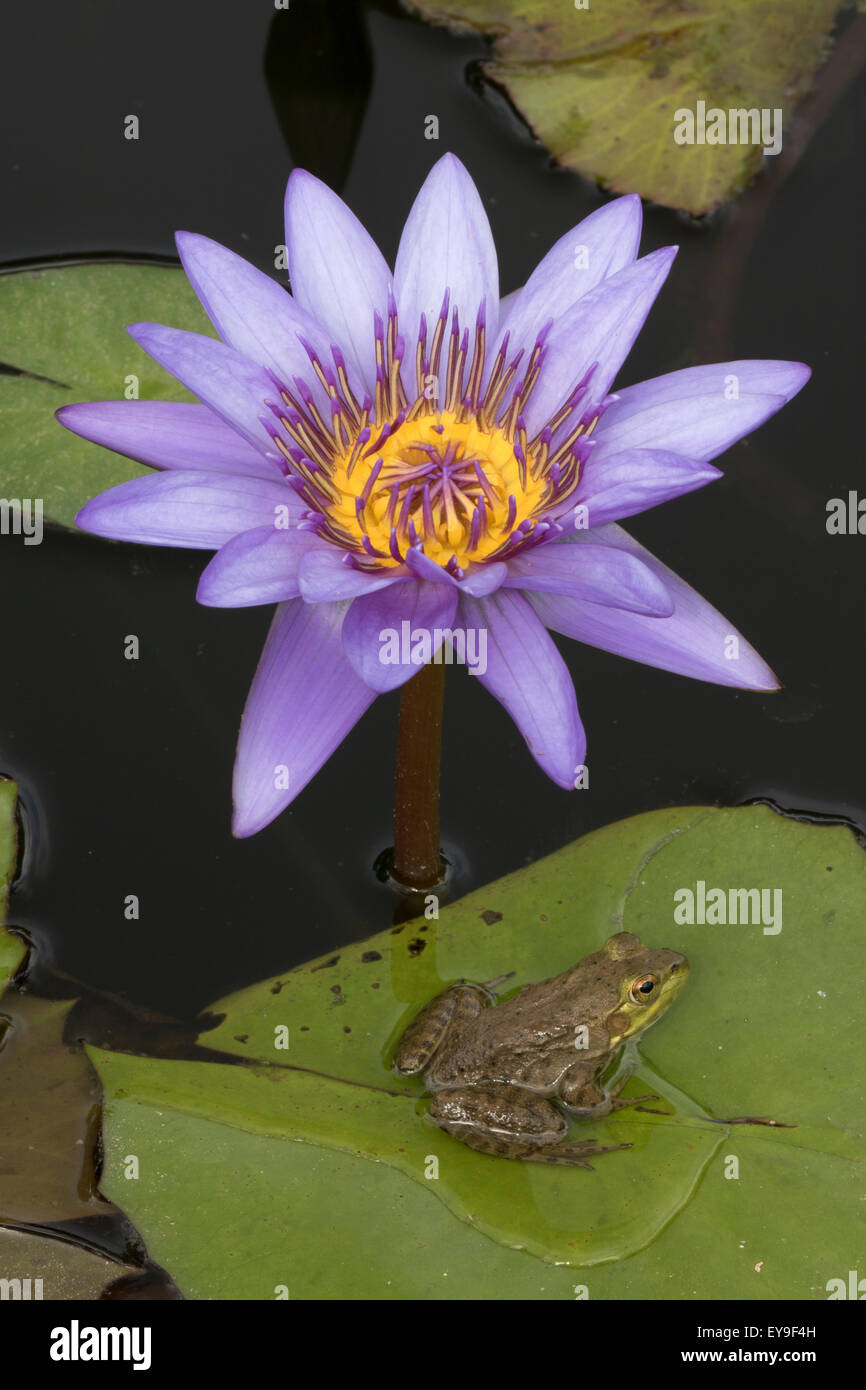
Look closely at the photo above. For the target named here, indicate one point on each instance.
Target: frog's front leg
(452, 1009)
(590, 1100)
(511, 1123)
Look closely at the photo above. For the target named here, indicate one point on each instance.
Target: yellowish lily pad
(602, 83)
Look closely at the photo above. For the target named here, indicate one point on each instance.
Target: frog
(505, 1075)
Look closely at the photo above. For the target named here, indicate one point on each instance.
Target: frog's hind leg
(455, 1006)
(573, 1154)
(497, 1119)
(509, 1122)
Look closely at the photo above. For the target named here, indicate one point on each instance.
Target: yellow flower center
(439, 480)
(451, 472)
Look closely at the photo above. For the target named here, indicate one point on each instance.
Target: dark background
(125, 767)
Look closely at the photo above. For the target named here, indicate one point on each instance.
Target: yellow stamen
(442, 453)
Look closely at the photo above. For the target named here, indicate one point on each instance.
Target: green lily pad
(12, 949)
(266, 1219)
(601, 84)
(63, 331)
(309, 1167)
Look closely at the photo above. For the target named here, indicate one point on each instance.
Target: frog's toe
(622, 1104)
(573, 1155)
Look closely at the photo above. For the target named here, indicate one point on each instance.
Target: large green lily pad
(600, 84)
(64, 333)
(311, 1168)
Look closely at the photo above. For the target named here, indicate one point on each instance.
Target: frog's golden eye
(644, 989)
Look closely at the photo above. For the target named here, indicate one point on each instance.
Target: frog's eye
(644, 989)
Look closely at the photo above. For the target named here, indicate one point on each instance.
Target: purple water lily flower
(383, 448)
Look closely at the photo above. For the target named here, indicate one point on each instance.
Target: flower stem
(417, 858)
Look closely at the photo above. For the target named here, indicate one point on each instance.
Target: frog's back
(530, 1040)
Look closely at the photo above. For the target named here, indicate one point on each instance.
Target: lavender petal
(325, 578)
(254, 314)
(694, 641)
(164, 434)
(599, 329)
(303, 701)
(446, 244)
(598, 247)
(200, 511)
(699, 411)
(597, 573)
(234, 387)
(258, 566)
(614, 486)
(526, 674)
(384, 633)
(338, 273)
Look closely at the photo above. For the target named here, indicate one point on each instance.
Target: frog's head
(649, 981)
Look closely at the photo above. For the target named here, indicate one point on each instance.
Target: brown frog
(500, 1074)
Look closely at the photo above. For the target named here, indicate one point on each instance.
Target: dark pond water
(125, 767)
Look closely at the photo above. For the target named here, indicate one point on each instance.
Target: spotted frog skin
(500, 1072)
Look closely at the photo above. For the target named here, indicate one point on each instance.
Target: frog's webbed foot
(455, 1006)
(509, 1122)
(619, 1104)
(490, 985)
